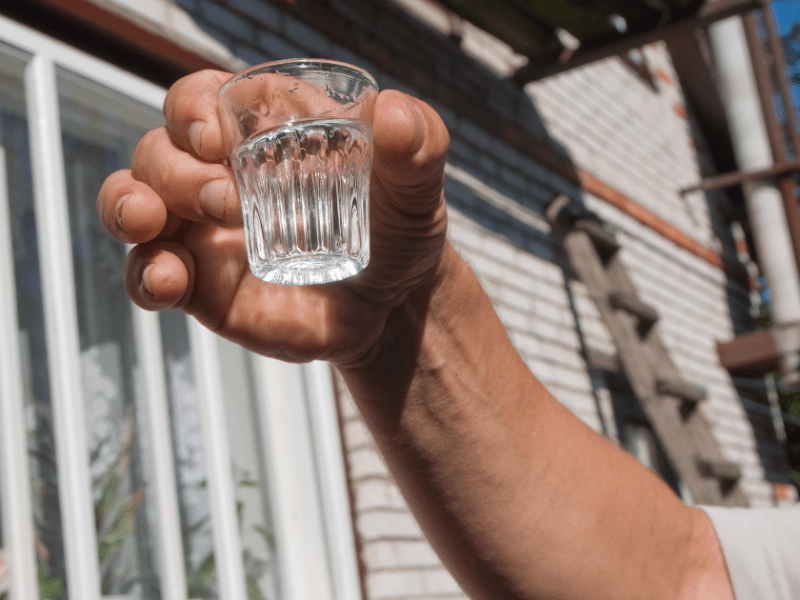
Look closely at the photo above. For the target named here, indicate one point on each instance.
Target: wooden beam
(646, 314)
(542, 66)
(604, 240)
(753, 353)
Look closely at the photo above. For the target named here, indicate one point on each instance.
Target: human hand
(179, 204)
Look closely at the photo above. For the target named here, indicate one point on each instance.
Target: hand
(179, 204)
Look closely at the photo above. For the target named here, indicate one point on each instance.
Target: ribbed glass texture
(304, 189)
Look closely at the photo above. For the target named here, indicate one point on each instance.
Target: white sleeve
(762, 550)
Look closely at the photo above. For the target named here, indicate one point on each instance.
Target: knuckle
(183, 109)
(144, 150)
(168, 178)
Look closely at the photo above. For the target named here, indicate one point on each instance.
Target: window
(141, 457)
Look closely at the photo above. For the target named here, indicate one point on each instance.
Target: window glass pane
(100, 129)
(190, 466)
(46, 508)
(249, 471)
(248, 467)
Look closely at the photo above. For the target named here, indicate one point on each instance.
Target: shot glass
(298, 135)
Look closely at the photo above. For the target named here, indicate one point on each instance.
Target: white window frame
(307, 484)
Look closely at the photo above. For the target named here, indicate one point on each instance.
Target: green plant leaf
(253, 593)
(239, 510)
(50, 588)
(109, 495)
(197, 583)
(267, 534)
(111, 541)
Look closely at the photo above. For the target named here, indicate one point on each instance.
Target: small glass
(298, 134)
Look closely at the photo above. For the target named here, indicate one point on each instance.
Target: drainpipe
(763, 199)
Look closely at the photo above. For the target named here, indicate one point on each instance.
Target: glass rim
(303, 63)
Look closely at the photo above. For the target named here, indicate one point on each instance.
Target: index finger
(190, 109)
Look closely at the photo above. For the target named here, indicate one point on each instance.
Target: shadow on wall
(504, 166)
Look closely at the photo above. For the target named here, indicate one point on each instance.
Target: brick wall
(633, 137)
(639, 140)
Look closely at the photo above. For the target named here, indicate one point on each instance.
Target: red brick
(663, 76)
(680, 110)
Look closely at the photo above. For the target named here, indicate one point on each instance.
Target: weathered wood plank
(686, 435)
(604, 240)
(646, 314)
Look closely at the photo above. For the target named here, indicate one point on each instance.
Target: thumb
(411, 144)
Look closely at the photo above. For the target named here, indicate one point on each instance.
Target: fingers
(190, 109)
(130, 210)
(411, 144)
(191, 188)
(159, 275)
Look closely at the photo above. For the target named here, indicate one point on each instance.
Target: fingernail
(195, 136)
(212, 198)
(146, 279)
(118, 211)
(419, 127)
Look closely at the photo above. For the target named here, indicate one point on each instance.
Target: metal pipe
(753, 153)
(768, 70)
(726, 180)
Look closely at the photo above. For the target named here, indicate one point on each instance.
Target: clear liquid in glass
(304, 188)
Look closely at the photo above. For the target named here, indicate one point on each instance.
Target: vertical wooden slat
(61, 325)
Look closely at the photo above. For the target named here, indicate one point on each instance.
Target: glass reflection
(46, 506)
(190, 466)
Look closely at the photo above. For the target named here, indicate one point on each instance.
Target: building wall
(639, 140)
(633, 142)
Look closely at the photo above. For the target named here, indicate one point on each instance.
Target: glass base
(310, 269)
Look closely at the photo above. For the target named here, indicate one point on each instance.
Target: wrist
(393, 355)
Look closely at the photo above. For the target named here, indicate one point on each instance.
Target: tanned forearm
(519, 498)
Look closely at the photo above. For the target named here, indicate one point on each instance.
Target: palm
(335, 321)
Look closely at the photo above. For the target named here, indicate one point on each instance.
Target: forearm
(520, 498)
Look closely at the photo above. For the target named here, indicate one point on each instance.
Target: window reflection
(190, 467)
(249, 472)
(46, 508)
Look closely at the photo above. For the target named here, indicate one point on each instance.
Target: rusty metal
(548, 64)
(761, 71)
(788, 189)
(751, 353)
(770, 72)
(719, 182)
(779, 67)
